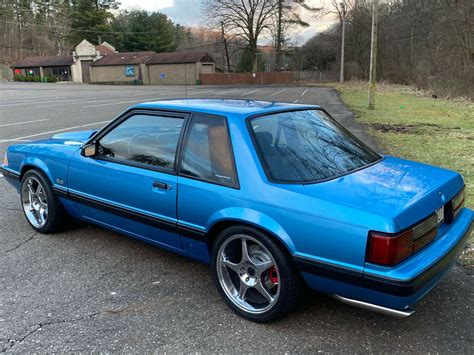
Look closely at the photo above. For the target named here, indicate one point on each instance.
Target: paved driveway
(91, 289)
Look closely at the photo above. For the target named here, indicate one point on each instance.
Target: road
(89, 289)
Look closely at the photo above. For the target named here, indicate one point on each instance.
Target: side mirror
(89, 150)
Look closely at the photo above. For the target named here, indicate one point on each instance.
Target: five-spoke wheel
(253, 273)
(248, 274)
(41, 206)
(35, 202)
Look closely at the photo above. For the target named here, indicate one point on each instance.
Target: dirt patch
(405, 128)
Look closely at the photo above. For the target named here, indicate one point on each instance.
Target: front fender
(256, 218)
(35, 162)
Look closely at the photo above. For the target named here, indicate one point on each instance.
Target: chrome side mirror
(89, 150)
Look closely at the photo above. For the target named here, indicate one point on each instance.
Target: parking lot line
(304, 92)
(275, 93)
(53, 131)
(17, 123)
(250, 92)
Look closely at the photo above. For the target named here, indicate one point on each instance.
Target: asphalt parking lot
(89, 289)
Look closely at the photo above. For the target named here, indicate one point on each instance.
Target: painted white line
(28, 103)
(225, 91)
(200, 92)
(54, 131)
(112, 103)
(304, 92)
(275, 93)
(17, 123)
(295, 101)
(250, 92)
(18, 140)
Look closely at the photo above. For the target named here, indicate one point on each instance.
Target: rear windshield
(307, 146)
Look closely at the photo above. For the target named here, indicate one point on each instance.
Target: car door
(207, 177)
(130, 184)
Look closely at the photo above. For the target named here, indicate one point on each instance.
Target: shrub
(19, 77)
(36, 78)
(51, 78)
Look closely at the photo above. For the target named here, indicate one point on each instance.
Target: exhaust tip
(375, 308)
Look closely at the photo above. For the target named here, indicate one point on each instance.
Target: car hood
(402, 190)
(79, 136)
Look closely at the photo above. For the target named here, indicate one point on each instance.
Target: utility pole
(343, 9)
(225, 46)
(373, 54)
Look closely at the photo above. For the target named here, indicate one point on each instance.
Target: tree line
(54, 27)
(426, 43)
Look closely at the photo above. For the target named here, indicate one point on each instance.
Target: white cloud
(149, 5)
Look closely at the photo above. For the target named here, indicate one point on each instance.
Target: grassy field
(412, 125)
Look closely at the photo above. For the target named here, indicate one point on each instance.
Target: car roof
(222, 106)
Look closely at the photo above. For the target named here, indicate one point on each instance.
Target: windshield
(307, 146)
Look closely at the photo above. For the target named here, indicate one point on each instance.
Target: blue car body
(324, 226)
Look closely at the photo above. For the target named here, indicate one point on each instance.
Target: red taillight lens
(457, 203)
(387, 249)
(390, 249)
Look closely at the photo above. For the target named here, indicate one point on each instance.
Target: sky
(188, 13)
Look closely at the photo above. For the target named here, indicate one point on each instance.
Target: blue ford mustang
(272, 195)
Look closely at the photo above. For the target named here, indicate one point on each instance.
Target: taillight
(390, 249)
(455, 206)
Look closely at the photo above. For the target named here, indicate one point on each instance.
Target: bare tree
(246, 19)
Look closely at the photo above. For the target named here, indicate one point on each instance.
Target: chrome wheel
(35, 202)
(248, 274)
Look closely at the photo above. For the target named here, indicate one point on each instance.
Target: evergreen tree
(90, 19)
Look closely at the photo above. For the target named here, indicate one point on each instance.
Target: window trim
(126, 115)
(266, 168)
(236, 184)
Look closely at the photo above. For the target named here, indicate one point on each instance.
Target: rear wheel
(253, 274)
(42, 208)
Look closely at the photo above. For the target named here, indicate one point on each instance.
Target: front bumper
(11, 176)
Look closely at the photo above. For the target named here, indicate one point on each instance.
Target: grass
(412, 125)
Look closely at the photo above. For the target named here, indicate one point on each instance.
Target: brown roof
(180, 57)
(103, 50)
(54, 61)
(125, 58)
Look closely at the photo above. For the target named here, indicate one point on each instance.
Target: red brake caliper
(272, 275)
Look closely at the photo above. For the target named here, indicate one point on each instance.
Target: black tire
(289, 277)
(57, 215)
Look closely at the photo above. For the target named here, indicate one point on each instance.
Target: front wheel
(42, 208)
(254, 275)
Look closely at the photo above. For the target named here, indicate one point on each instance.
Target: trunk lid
(403, 190)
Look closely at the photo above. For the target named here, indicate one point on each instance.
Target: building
(179, 67)
(58, 66)
(121, 68)
(84, 55)
(73, 67)
(101, 64)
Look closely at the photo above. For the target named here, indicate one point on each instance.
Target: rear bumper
(412, 286)
(397, 288)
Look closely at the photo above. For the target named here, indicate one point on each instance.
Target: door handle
(161, 185)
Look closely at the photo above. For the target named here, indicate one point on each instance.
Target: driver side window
(144, 139)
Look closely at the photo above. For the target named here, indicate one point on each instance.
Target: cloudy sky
(188, 13)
